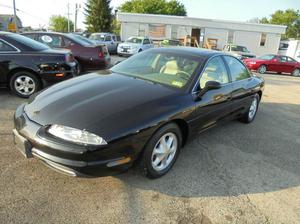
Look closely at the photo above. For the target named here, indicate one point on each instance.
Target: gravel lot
(234, 173)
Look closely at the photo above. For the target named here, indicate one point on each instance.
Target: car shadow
(235, 158)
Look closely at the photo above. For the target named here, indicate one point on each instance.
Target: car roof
(44, 32)
(193, 51)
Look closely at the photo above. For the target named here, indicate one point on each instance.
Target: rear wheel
(24, 84)
(161, 151)
(296, 72)
(262, 69)
(250, 114)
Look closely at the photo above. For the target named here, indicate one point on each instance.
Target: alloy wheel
(296, 72)
(253, 108)
(24, 85)
(262, 69)
(164, 151)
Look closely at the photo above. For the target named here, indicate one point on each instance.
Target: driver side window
(214, 71)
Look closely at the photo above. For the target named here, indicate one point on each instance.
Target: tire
(79, 68)
(250, 114)
(155, 147)
(24, 84)
(262, 69)
(296, 72)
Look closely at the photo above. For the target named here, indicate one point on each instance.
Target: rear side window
(4, 47)
(108, 38)
(146, 41)
(282, 58)
(290, 59)
(51, 40)
(237, 70)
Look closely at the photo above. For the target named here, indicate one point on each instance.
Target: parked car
(170, 42)
(110, 40)
(88, 55)
(26, 66)
(134, 45)
(143, 110)
(241, 52)
(274, 63)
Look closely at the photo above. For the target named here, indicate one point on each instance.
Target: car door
(7, 54)
(242, 84)
(292, 64)
(213, 105)
(109, 43)
(282, 65)
(146, 44)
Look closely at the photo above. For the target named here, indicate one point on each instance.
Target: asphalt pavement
(233, 173)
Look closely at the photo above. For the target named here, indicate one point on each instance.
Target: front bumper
(69, 158)
(128, 52)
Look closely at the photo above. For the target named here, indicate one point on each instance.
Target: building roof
(200, 22)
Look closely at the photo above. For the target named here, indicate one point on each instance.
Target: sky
(36, 13)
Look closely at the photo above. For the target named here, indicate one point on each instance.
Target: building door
(196, 37)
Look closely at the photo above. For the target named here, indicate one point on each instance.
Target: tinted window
(108, 38)
(290, 59)
(282, 58)
(168, 69)
(237, 70)
(214, 71)
(5, 47)
(136, 40)
(238, 48)
(51, 40)
(114, 38)
(146, 41)
(28, 42)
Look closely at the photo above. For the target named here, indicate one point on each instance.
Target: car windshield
(28, 42)
(168, 69)
(239, 48)
(136, 40)
(95, 36)
(266, 57)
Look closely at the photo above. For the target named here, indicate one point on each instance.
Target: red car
(87, 55)
(274, 63)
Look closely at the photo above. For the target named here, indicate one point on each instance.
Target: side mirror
(210, 85)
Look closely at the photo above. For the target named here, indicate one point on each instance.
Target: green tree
(290, 18)
(98, 16)
(60, 23)
(164, 7)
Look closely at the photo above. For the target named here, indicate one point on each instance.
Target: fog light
(119, 162)
(59, 75)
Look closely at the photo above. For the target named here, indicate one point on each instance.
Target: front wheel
(250, 114)
(296, 72)
(262, 69)
(161, 151)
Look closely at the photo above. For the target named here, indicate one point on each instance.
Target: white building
(258, 38)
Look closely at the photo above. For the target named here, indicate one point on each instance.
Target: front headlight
(75, 135)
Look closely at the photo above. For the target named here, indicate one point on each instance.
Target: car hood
(243, 53)
(99, 103)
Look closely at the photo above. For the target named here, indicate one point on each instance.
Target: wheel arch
(19, 69)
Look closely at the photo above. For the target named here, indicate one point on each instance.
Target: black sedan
(27, 66)
(143, 110)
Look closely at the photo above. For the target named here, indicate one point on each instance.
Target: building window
(230, 37)
(263, 38)
(157, 31)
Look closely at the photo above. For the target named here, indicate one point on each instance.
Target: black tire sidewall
(24, 73)
(146, 162)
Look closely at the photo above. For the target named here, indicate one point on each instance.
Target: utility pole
(75, 22)
(15, 16)
(68, 16)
